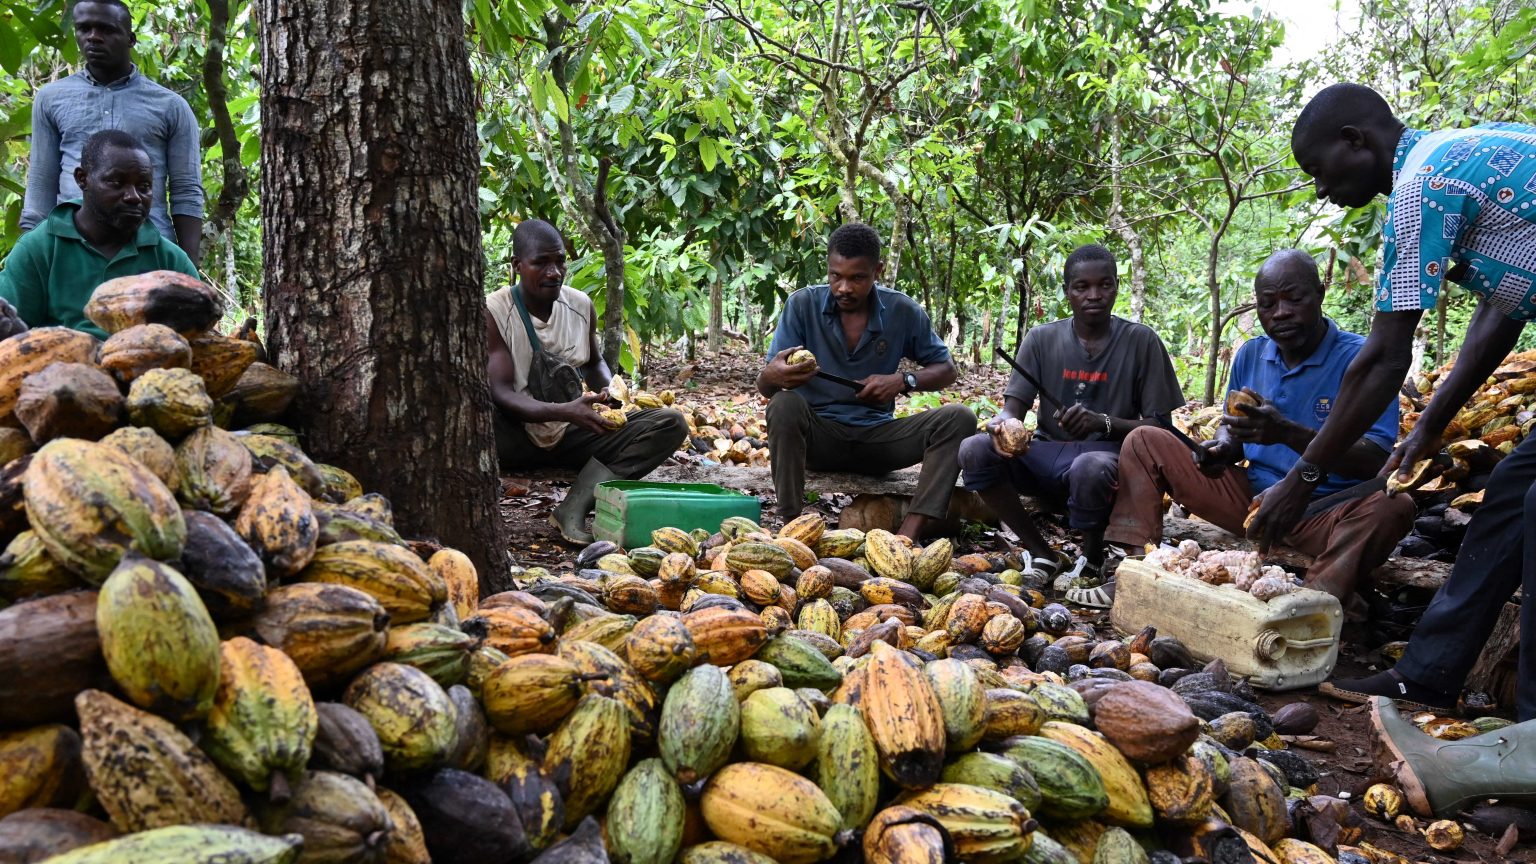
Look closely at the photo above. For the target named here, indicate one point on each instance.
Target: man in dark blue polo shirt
(1293, 372)
(861, 330)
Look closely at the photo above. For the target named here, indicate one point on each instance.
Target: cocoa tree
(373, 261)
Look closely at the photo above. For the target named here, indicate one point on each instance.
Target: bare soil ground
(726, 381)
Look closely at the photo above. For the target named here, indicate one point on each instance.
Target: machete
(838, 379)
(1046, 396)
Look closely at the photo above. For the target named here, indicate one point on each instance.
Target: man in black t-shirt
(1113, 376)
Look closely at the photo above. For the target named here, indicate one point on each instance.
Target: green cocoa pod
(999, 773)
(801, 663)
(963, 701)
(645, 816)
(779, 728)
(587, 754)
(700, 721)
(848, 766)
(1070, 788)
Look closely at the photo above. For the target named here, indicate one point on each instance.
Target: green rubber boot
(1439, 778)
(571, 516)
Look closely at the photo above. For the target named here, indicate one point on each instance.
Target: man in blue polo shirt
(1293, 374)
(860, 330)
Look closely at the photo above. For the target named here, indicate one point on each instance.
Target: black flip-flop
(1356, 697)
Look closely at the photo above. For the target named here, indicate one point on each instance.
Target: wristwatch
(910, 380)
(1310, 474)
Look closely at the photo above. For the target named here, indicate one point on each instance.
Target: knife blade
(1046, 396)
(1442, 460)
(1344, 496)
(1194, 447)
(838, 379)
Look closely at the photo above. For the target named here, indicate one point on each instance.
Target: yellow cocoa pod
(806, 528)
(220, 361)
(531, 693)
(904, 717)
(407, 843)
(169, 401)
(159, 778)
(27, 570)
(39, 767)
(1181, 791)
(146, 447)
(459, 578)
(402, 583)
(90, 503)
(984, 824)
(1128, 804)
(158, 640)
(31, 352)
(263, 722)
(771, 811)
(588, 753)
(330, 631)
(278, 521)
(413, 716)
(888, 556)
(660, 649)
(340, 485)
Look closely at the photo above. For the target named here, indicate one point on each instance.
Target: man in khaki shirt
(531, 433)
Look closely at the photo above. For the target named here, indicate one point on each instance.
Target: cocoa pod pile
(274, 675)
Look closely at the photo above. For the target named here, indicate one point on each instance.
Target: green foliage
(724, 139)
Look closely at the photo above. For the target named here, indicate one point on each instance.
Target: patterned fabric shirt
(1463, 205)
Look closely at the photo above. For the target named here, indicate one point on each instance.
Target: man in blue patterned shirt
(1462, 207)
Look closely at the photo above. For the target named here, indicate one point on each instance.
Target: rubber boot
(571, 516)
(1439, 778)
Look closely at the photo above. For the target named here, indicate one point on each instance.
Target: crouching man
(860, 330)
(542, 337)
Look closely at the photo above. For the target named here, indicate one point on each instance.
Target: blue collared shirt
(1305, 394)
(897, 328)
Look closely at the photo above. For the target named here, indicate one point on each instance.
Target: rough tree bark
(372, 257)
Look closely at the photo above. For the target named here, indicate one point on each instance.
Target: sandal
(1360, 691)
(1081, 574)
(1097, 597)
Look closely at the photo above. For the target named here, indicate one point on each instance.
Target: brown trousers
(798, 438)
(1346, 542)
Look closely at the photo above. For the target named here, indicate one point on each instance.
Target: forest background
(697, 152)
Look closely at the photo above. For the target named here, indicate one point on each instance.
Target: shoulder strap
(522, 311)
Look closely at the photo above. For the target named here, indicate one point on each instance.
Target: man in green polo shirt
(50, 274)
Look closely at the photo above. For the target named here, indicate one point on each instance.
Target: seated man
(861, 330)
(537, 425)
(1113, 376)
(50, 274)
(1293, 373)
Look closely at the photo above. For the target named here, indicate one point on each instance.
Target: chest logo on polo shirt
(881, 347)
(1322, 407)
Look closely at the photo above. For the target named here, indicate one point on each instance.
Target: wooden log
(1501, 642)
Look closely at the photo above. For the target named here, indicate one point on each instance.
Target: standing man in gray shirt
(111, 93)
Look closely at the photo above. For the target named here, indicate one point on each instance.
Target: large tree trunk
(372, 257)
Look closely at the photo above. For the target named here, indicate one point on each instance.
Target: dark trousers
(799, 438)
(630, 452)
(1497, 556)
(1082, 472)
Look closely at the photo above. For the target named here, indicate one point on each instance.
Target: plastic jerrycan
(1289, 642)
